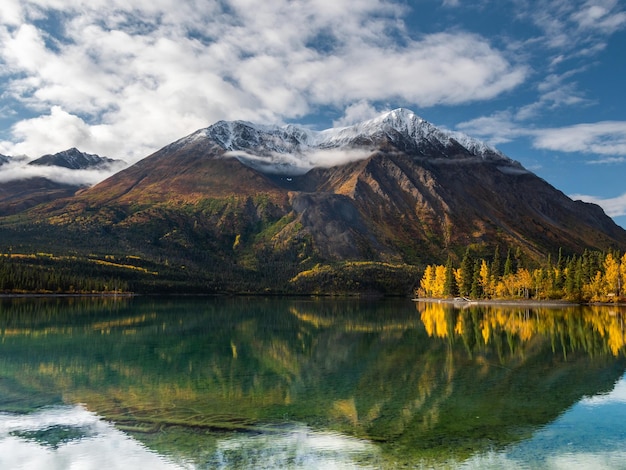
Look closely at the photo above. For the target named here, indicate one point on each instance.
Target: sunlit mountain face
(245, 207)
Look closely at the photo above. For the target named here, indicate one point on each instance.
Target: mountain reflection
(422, 385)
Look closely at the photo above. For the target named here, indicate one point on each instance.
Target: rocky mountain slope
(239, 202)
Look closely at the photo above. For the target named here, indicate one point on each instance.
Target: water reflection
(210, 382)
(588, 435)
(65, 437)
(595, 329)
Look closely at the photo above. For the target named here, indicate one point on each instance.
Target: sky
(542, 80)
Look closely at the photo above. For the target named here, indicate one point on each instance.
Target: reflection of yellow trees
(350, 324)
(578, 328)
(610, 324)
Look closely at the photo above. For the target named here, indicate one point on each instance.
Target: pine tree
(496, 265)
(476, 291)
(508, 264)
(450, 287)
(560, 271)
(467, 273)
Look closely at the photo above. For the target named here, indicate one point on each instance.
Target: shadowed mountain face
(19, 195)
(395, 190)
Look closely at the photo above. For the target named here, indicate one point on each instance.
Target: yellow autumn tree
(433, 281)
(440, 281)
(622, 272)
(611, 285)
(485, 279)
(428, 281)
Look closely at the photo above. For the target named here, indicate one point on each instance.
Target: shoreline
(52, 295)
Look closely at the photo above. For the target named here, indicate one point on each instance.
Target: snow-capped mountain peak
(243, 135)
(294, 149)
(74, 159)
(399, 122)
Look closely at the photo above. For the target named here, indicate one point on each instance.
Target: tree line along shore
(590, 277)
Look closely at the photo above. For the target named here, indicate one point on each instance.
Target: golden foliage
(605, 283)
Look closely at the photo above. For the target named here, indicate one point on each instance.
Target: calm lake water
(287, 383)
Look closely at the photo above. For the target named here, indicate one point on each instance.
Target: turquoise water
(306, 383)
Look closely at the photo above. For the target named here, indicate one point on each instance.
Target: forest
(43, 273)
(590, 277)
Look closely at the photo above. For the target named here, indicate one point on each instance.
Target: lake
(194, 383)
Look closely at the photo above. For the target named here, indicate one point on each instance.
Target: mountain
(240, 206)
(29, 190)
(19, 195)
(74, 159)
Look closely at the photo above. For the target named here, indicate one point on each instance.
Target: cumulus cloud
(123, 79)
(357, 112)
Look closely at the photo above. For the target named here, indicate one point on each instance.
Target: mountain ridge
(74, 159)
(46, 178)
(238, 206)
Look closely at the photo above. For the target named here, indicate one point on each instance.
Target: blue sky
(542, 80)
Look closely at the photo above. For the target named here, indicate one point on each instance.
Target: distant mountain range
(74, 159)
(18, 193)
(245, 207)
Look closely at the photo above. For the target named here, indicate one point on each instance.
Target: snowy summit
(294, 149)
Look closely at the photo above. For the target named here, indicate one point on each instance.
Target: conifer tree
(476, 292)
(496, 265)
(508, 264)
(450, 287)
(467, 273)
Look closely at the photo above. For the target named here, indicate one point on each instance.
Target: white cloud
(57, 129)
(604, 138)
(357, 112)
(299, 163)
(11, 12)
(600, 138)
(19, 170)
(575, 25)
(607, 161)
(124, 80)
(571, 35)
(600, 15)
(496, 129)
